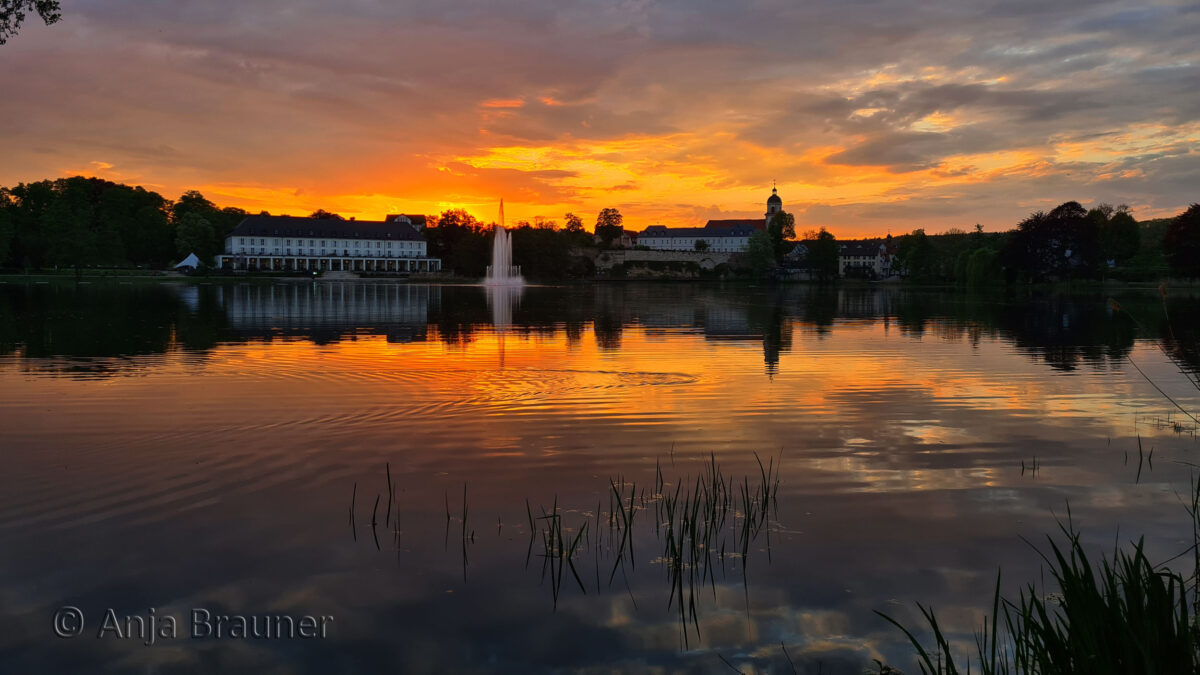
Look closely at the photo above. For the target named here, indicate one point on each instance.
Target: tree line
(542, 249)
(83, 222)
(1068, 242)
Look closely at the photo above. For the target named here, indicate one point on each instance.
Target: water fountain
(503, 283)
(502, 272)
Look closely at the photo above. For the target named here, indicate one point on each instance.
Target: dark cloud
(268, 91)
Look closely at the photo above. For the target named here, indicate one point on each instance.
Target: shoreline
(146, 276)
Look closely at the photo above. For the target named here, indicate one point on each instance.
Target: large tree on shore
(916, 255)
(1059, 244)
(608, 225)
(761, 254)
(1182, 243)
(194, 234)
(13, 13)
(823, 255)
(572, 223)
(462, 243)
(1120, 234)
(781, 229)
(575, 232)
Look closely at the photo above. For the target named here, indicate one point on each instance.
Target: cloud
(703, 104)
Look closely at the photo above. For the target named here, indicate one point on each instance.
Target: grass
(700, 524)
(1123, 614)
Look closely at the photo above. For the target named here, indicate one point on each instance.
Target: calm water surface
(177, 447)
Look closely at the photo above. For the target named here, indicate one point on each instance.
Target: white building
(869, 258)
(725, 236)
(285, 243)
(721, 239)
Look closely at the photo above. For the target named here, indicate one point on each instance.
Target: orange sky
(870, 120)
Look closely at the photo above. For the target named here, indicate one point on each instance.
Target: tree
(68, 222)
(322, 214)
(608, 225)
(823, 255)
(916, 255)
(6, 226)
(701, 245)
(12, 15)
(573, 223)
(542, 253)
(194, 234)
(191, 202)
(463, 243)
(1058, 244)
(781, 229)
(983, 267)
(1182, 243)
(761, 254)
(1120, 234)
(574, 232)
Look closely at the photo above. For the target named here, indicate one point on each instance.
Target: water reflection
(179, 446)
(56, 322)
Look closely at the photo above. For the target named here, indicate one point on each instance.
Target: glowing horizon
(938, 117)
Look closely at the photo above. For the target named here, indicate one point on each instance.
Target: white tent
(191, 261)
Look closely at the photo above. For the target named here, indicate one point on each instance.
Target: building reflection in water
(79, 329)
(326, 312)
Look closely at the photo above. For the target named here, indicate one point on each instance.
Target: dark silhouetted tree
(322, 214)
(701, 245)
(782, 229)
(575, 233)
(13, 13)
(194, 234)
(916, 255)
(542, 253)
(823, 255)
(983, 268)
(462, 243)
(608, 225)
(1120, 234)
(1060, 244)
(761, 254)
(572, 223)
(1182, 243)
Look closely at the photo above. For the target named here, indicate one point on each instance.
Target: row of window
(336, 244)
(313, 252)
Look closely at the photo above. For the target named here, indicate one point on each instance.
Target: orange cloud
(504, 103)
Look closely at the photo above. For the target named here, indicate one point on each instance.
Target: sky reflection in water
(180, 446)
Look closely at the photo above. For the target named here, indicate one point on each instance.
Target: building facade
(724, 236)
(867, 258)
(718, 239)
(286, 243)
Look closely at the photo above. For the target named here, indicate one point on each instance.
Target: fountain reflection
(502, 300)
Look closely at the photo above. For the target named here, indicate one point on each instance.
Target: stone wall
(707, 260)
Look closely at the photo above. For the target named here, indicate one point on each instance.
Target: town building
(724, 236)
(718, 239)
(286, 243)
(418, 222)
(866, 258)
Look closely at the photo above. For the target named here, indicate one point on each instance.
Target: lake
(594, 478)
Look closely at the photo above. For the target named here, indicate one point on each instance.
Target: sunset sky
(872, 116)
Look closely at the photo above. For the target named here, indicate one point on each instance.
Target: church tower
(774, 205)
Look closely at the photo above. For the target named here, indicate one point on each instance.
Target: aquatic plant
(1124, 615)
